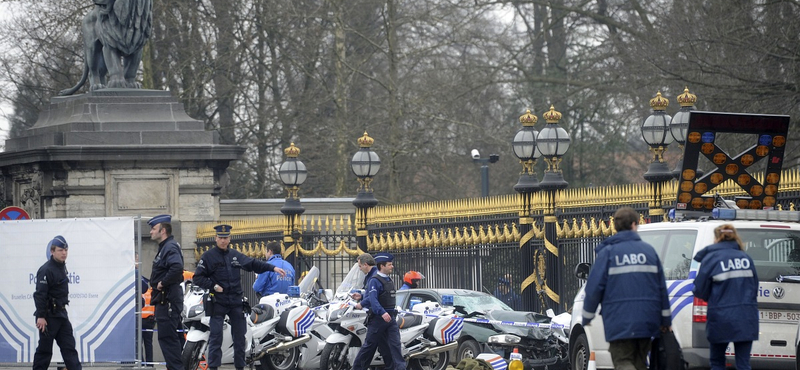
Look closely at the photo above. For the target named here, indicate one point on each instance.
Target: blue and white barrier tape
(500, 322)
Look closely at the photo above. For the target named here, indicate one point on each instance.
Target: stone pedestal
(118, 152)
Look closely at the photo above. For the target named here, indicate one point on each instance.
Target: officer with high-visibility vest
(148, 322)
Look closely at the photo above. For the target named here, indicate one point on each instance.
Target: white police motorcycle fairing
(299, 330)
(427, 335)
(260, 336)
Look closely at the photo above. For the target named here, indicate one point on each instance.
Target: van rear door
(775, 249)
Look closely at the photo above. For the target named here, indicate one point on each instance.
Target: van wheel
(579, 353)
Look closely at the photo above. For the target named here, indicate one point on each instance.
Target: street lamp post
(493, 158)
(679, 125)
(292, 173)
(656, 133)
(525, 149)
(365, 165)
(553, 142)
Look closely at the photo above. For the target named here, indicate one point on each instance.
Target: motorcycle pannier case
(296, 321)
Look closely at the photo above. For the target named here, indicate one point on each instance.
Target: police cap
(59, 242)
(383, 257)
(160, 219)
(223, 231)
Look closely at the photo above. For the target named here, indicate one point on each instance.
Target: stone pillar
(119, 152)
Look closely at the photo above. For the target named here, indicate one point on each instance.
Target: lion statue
(114, 33)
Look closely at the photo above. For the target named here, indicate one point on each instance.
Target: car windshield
(479, 302)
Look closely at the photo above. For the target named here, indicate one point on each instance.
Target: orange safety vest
(148, 310)
(187, 275)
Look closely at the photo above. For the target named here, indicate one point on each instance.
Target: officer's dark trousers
(60, 330)
(381, 333)
(238, 330)
(148, 324)
(168, 337)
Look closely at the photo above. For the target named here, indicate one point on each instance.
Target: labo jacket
(727, 280)
(627, 278)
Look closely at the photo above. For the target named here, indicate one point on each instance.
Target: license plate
(779, 316)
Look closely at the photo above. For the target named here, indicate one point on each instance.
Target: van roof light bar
(755, 215)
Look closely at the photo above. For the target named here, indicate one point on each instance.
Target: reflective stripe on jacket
(148, 310)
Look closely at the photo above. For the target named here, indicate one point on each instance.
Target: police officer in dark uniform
(167, 295)
(51, 298)
(366, 263)
(219, 271)
(382, 324)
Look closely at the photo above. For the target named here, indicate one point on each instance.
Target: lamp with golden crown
(553, 142)
(292, 173)
(680, 124)
(524, 146)
(365, 165)
(656, 133)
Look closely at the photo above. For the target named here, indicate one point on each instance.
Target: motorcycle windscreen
(307, 284)
(353, 280)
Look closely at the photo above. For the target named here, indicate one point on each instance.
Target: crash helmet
(412, 277)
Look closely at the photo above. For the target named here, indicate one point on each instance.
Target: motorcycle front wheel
(334, 357)
(191, 356)
(433, 362)
(285, 360)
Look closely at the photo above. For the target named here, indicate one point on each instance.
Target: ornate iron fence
(465, 243)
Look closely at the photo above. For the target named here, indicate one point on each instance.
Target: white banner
(101, 266)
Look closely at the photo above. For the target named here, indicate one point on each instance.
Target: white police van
(772, 239)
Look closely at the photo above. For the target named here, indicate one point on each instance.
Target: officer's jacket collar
(165, 241)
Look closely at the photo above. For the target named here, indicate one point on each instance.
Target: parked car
(775, 249)
(538, 346)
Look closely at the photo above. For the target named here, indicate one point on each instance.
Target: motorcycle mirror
(582, 270)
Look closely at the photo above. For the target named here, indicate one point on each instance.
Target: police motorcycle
(300, 331)
(427, 334)
(260, 336)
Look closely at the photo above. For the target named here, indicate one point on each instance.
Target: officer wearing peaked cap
(382, 324)
(51, 298)
(219, 271)
(167, 296)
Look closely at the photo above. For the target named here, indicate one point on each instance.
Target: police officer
(167, 295)
(219, 271)
(366, 263)
(51, 298)
(505, 292)
(382, 326)
(270, 282)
